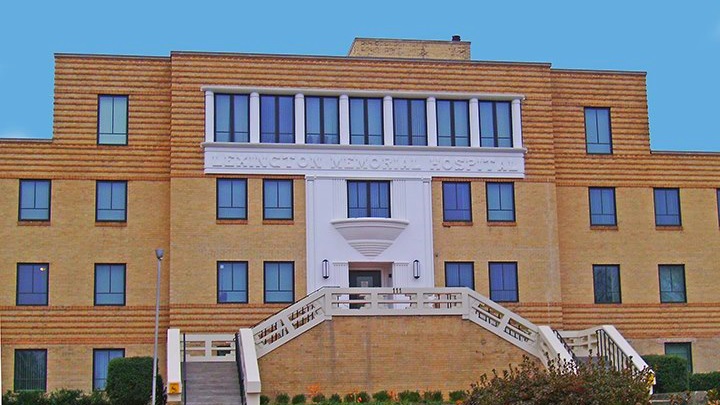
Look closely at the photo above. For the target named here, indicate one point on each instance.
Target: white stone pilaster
(299, 119)
(254, 117)
(388, 120)
(344, 106)
(431, 121)
(209, 116)
(517, 124)
(474, 122)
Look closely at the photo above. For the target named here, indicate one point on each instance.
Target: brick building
(403, 165)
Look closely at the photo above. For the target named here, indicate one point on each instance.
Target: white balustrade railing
(208, 347)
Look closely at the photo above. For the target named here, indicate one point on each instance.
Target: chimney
(456, 38)
(455, 49)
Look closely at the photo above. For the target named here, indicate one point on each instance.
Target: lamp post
(159, 253)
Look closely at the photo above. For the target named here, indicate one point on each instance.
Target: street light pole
(159, 253)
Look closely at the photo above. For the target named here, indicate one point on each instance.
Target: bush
(59, 397)
(318, 398)
(264, 400)
(349, 398)
(25, 398)
(562, 384)
(705, 381)
(670, 373)
(381, 396)
(128, 382)
(299, 399)
(432, 396)
(409, 396)
(456, 396)
(282, 399)
(363, 397)
(334, 399)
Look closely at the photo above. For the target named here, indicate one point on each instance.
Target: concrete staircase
(212, 383)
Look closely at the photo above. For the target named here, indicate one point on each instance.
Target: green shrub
(334, 399)
(409, 396)
(26, 398)
(457, 396)
(282, 399)
(128, 382)
(349, 398)
(670, 373)
(95, 398)
(264, 400)
(318, 398)
(381, 396)
(299, 399)
(65, 397)
(562, 384)
(433, 396)
(705, 381)
(363, 397)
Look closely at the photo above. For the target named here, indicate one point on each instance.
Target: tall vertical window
(232, 123)
(109, 284)
(111, 201)
(718, 203)
(500, 202)
(672, 283)
(459, 274)
(606, 280)
(277, 119)
(598, 136)
(30, 370)
(232, 282)
(277, 199)
(682, 350)
(495, 124)
(32, 284)
(366, 121)
(321, 120)
(368, 199)
(34, 200)
(101, 361)
(279, 282)
(453, 123)
(456, 201)
(232, 199)
(112, 120)
(410, 121)
(602, 206)
(667, 207)
(503, 282)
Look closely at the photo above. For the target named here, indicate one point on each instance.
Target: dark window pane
(279, 282)
(101, 361)
(112, 120)
(501, 202)
(278, 199)
(495, 124)
(607, 283)
(672, 283)
(368, 199)
(682, 350)
(30, 370)
(109, 284)
(111, 201)
(503, 282)
(410, 122)
(667, 207)
(598, 136)
(232, 282)
(32, 284)
(459, 275)
(34, 200)
(456, 201)
(602, 206)
(232, 199)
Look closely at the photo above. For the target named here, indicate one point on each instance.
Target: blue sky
(678, 44)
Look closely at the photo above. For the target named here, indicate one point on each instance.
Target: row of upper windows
(666, 202)
(606, 281)
(110, 283)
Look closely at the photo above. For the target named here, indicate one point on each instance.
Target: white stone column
(344, 106)
(299, 119)
(254, 118)
(312, 278)
(209, 116)
(431, 121)
(474, 122)
(517, 124)
(388, 120)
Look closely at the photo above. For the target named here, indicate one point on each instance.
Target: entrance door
(363, 279)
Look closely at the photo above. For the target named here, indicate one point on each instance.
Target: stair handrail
(248, 367)
(239, 364)
(553, 348)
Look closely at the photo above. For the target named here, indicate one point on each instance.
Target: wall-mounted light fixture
(416, 269)
(326, 269)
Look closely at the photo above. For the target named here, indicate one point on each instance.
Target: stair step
(212, 383)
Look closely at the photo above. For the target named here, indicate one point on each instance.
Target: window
(30, 370)
(111, 201)
(321, 120)
(277, 119)
(682, 350)
(503, 282)
(366, 121)
(112, 120)
(453, 123)
(109, 284)
(672, 283)
(279, 282)
(278, 199)
(606, 279)
(410, 122)
(667, 207)
(598, 136)
(232, 123)
(501, 202)
(602, 206)
(232, 282)
(495, 124)
(32, 284)
(456, 202)
(459, 274)
(718, 203)
(34, 200)
(101, 361)
(232, 199)
(368, 199)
